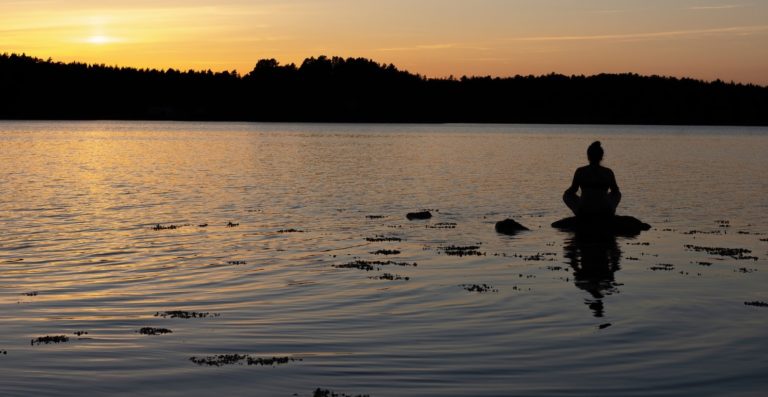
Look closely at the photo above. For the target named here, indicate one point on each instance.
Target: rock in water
(419, 215)
(617, 225)
(510, 227)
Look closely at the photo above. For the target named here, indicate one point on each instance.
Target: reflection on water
(595, 258)
(289, 206)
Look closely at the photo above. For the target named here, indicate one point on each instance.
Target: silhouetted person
(600, 194)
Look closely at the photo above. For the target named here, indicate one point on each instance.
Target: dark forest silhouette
(360, 90)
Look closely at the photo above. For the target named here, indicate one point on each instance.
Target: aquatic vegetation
(375, 216)
(757, 303)
(237, 263)
(231, 224)
(290, 231)
(378, 239)
(442, 225)
(735, 253)
(32, 293)
(169, 227)
(328, 393)
(663, 267)
(604, 326)
(49, 339)
(478, 288)
(241, 359)
(202, 225)
(467, 250)
(373, 265)
(390, 277)
(386, 252)
(81, 333)
(184, 314)
(154, 331)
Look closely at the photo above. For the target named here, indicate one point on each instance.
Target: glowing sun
(100, 39)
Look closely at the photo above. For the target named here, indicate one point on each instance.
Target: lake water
(287, 206)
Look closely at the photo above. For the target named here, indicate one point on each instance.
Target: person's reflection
(594, 259)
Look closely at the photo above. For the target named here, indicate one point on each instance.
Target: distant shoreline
(373, 123)
(358, 90)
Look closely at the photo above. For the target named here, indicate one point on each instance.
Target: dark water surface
(662, 314)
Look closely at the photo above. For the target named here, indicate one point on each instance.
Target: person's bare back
(600, 194)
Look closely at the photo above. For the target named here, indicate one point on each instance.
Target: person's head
(595, 153)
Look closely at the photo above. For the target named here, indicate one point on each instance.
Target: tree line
(334, 89)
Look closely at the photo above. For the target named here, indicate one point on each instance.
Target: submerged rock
(510, 227)
(418, 215)
(616, 225)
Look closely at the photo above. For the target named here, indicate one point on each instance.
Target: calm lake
(199, 259)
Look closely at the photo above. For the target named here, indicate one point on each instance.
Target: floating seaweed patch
(241, 359)
(45, 340)
(643, 243)
(237, 263)
(744, 270)
(632, 258)
(757, 303)
(81, 333)
(478, 288)
(154, 331)
(704, 263)
(329, 393)
(375, 216)
(693, 232)
(202, 225)
(32, 293)
(290, 231)
(735, 253)
(663, 267)
(442, 225)
(604, 326)
(539, 256)
(764, 239)
(361, 265)
(185, 314)
(168, 227)
(390, 277)
(231, 224)
(386, 252)
(379, 239)
(466, 250)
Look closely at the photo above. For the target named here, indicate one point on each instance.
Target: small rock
(509, 227)
(419, 215)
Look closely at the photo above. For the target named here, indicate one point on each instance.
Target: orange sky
(708, 39)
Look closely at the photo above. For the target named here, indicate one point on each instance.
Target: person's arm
(614, 186)
(575, 184)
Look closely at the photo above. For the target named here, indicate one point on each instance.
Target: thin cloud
(736, 30)
(435, 47)
(718, 7)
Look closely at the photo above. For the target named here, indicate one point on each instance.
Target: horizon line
(424, 76)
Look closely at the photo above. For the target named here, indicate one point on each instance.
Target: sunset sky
(708, 39)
